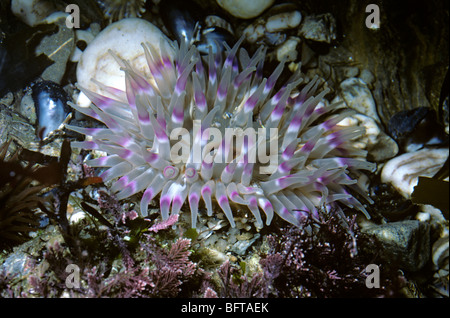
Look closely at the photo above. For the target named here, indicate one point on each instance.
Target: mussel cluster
(186, 23)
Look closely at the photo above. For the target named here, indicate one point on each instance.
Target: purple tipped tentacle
(234, 195)
(179, 193)
(152, 191)
(212, 77)
(331, 122)
(273, 78)
(206, 170)
(144, 120)
(201, 108)
(285, 167)
(228, 172)
(194, 199)
(141, 182)
(282, 210)
(161, 142)
(118, 94)
(85, 110)
(309, 89)
(222, 199)
(247, 174)
(224, 84)
(177, 117)
(208, 189)
(116, 171)
(107, 161)
(155, 160)
(302, 117)
(132, 156)
(281, 183)
(180, 86)
(135, 84)
(200, 73)
(100, 133)
(123, 181)
(297, 201)
(107, 119)
(267, 207)
(256, 97)
(253, 207)
(352, 163)
(106, 104)
(160, 114)
(278, 111)
(232, 53)
(166, 198)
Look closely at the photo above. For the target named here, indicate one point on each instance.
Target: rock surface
(405, 242)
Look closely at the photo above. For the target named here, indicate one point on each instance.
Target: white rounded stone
(288, 50)
(358, 96)
(245, 9)
(283, 21)
(124, 39)
(403, 172)
(254, 32)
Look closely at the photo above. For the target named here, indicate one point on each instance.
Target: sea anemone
(312, 163)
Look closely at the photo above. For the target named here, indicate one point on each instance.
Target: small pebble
(283, 21)
(358, 96)
(288, 50)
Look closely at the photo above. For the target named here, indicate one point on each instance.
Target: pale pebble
(403, 172)
(288, 50)
(254, 32)
(431, 214)
(357, 95)
(245, 9)
(283, 21)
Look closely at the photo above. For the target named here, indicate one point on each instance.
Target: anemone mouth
(211, 129)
